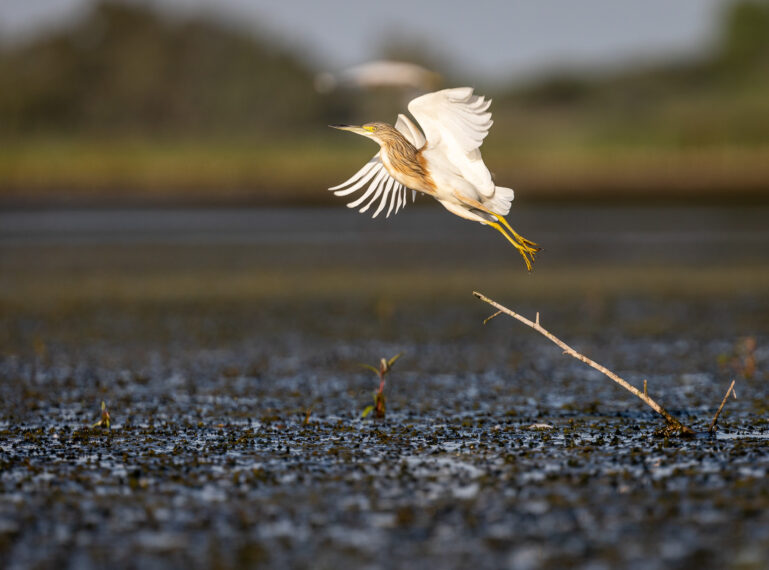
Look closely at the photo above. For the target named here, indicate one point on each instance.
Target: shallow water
(209, 374)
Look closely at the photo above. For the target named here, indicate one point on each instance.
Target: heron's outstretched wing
(382, 186)
(455, 122)
(409, 130)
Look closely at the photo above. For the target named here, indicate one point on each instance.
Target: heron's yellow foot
(526, 252)
(531, 247)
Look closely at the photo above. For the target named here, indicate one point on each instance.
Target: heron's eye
(369, 128)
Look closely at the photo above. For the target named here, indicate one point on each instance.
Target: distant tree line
(126, 69)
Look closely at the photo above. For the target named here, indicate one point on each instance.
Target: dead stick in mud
(672, 422)
(714, 423)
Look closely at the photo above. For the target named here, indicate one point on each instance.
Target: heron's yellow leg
(523, 245)
(521, 249)
(530, 246)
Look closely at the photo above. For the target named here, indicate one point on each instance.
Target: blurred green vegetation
(124, 69)
(127, 103)
(720, 99)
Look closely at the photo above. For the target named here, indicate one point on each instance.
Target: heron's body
(405, 162)
(445, 162)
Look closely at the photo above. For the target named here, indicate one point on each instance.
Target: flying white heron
(445, 162)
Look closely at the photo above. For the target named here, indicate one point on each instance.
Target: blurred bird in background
(443, 160)
(380, 73)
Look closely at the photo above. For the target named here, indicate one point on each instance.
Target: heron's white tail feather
(499, 203)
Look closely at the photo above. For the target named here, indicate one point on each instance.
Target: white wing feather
(455, 122)
(369, 170)
(392, 203)
(373, 199)
(382, 204)
(381, 182)
(409, 130)
(375, 185)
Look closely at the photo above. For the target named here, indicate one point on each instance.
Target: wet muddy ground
(235, 398)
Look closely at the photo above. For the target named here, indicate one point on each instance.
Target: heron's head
(380, 132)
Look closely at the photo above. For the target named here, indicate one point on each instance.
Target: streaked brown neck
(404, 161)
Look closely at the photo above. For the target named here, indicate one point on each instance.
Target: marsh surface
(227, 347)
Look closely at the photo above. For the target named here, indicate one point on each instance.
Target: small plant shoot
(104, 421)
(379, 405)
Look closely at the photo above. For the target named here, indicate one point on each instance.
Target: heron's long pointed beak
(351, 128)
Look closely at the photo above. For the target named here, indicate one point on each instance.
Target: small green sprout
(378, 407)
(105, 420)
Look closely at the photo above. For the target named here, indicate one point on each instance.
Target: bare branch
(671, 421)
(487, 319)
(714, 423)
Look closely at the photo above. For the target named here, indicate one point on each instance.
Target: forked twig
(673, 425)
(714, 423)
(487, 319)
